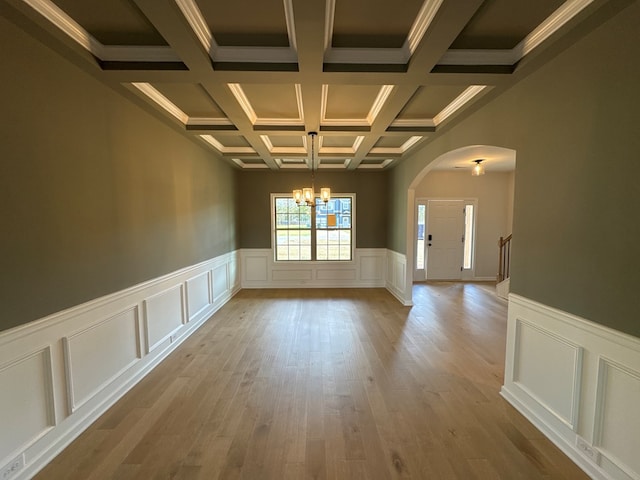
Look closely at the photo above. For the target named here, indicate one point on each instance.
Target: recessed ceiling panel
(338, 141)
(429, 101)
(346, 102)
(373, 23)
(272, 100)
(502, 24)
(113, 22)
(392, 141)
(191, 99)
(232, 142)
(246, 23)
(287, 141)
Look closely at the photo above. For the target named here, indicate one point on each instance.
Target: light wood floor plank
(327, 384)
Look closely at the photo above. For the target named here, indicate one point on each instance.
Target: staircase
(504, 261)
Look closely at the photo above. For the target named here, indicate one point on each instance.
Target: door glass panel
(420, 240)
(468, 236)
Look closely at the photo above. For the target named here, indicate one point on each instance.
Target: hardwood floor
(326, 384)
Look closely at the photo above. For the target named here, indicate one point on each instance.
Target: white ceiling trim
(378, 56)
(292, 164)
(222, 149)
(548, 27)
(198, 121)
(553, 23)
(123, 53)
(421, 24)
(397, 150)
(329, 17)
(242, 99)
(413, 122)
(284, 150)
(240, 54)
(161, 101)
(378, 103)
(343, 165)
(68, 25)
(458, 103)
(243, 165)
(246, 106)
(383, 96)
(291, 24)
(375, 165)
(198, 24)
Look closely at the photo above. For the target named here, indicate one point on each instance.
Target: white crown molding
(358, 141)
(413, 122)
(458, 103)
(386, 151)
(291, 24)
(376, 165)
(421, 24)
(200, 121)
(379, 102)
(242, 99)
(410, 143)
(341, 166)
(337, 151)
(548, 27)
(243, 165)
(161, 101)
(222, 149)
(283, 150)
(478, 57)
(329, 16)
(267, 142)
(553, 23)
(68, 25)
(299, 102)
(198, 24)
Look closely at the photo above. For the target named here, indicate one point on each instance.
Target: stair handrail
(504, 258)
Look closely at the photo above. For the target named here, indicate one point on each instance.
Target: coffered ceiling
(251, 78)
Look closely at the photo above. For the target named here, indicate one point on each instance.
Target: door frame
(467, 273)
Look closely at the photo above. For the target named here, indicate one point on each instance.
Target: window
(468, 236)
(323, 233)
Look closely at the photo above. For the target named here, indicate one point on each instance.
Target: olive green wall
(97, 194)
(574, 126)
(255, 189)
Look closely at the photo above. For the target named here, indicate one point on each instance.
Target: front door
(444, 239)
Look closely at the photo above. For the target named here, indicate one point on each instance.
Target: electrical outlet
(14, 466)
(587, 449)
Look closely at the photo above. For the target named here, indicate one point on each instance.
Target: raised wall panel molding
(561, 366)
(198, 294)
(98, 354)
(616, 427)
(593, 421)
(27, 403)
(163, 315)
(100, 360)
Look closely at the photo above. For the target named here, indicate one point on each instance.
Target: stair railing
(504, 258)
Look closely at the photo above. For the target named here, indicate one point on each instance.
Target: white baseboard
(579, 383)
(80, 361)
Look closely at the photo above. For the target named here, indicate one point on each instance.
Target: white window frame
(313, 260)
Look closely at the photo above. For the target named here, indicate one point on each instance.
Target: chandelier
(306, 196)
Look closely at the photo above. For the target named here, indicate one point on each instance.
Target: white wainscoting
(397, 277)
(259, 270)
(61, 372)
(579, 382)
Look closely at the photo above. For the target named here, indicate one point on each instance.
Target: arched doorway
(453, 171)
